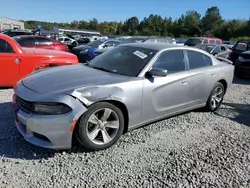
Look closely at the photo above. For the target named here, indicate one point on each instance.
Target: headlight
(241, 59)
(84, 51)
(51, 109)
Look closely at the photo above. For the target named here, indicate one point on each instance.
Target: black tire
(209, 107)
(82, 128)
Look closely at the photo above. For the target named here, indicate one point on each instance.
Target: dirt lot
(196, 149)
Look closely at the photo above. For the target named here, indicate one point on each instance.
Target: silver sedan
(123, 89)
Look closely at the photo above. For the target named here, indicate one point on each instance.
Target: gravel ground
(196, 149)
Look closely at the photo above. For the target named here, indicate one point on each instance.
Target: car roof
(153, 46)
(150, 37)
(203, 38)
(162, 46)
(210, 45)
(29, 36)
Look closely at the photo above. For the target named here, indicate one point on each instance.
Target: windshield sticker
(140, 54)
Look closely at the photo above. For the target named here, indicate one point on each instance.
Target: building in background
(83, 32)
(7, 24)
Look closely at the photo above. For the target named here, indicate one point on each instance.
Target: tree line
(189, 24)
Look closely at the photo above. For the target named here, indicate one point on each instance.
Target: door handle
(213, 74)
(17, 61)
(184, 82)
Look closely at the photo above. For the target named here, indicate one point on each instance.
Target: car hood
(102, 50)
(66, 79)
(38, 51)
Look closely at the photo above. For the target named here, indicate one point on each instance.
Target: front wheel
(216, 97)
(100, 127)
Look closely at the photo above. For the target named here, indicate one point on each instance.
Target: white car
(67, 40)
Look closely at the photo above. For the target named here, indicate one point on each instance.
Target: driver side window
(172, 61)
(5, 47)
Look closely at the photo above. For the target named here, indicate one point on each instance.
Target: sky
(116, 10)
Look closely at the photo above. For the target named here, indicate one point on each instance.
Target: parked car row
(89, 51)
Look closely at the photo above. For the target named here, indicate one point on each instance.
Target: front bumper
(82, 57)
(48, 131)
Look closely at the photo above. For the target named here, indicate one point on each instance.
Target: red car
(16, 62)
(32, 41)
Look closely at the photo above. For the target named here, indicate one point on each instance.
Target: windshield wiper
(101, 68)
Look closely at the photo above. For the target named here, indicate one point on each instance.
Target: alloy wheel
(217, 97)
(102, 126)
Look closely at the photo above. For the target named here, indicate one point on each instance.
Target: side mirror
(158, 72)
(105, 46)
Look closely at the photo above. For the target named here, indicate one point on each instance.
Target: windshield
(96, 43)
(193, 41)
(207, 48)
(124, 60)
(134, 40)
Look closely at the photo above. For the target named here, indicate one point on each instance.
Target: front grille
(24, 105)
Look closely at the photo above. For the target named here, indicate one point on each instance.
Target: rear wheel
(100, 127)
(216, 97)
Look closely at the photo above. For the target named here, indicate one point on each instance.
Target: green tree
(192, 23)
(93, 24)
(131, 26)
(212, 21)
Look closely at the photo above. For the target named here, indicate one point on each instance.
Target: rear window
(26, 42)
(43, 41)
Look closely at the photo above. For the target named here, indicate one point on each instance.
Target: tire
(92, 133)
(213, 104)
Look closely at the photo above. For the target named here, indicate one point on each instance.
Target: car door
(224, 52)
(44, 43)
(237, 49)
(9, 64)
(202, 76)
(216, 50)
(166, 95)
